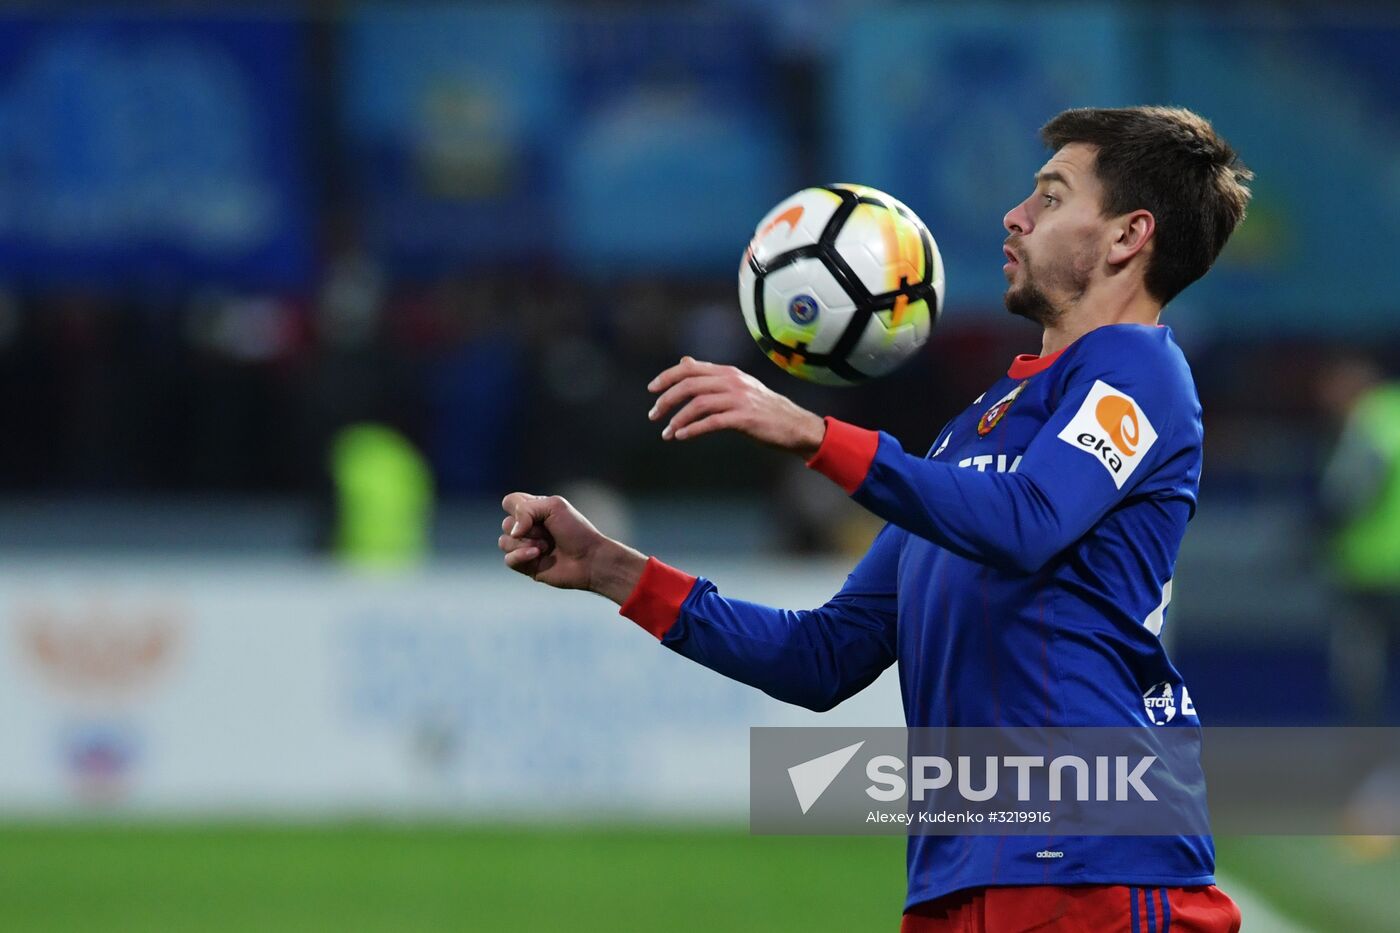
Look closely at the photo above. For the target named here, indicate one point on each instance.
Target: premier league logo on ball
(803, 309)
(844, 268)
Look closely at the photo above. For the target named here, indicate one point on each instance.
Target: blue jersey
(1023, 579)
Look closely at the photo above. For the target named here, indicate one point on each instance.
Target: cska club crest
(995, 413)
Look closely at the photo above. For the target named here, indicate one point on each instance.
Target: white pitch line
(1258, 916)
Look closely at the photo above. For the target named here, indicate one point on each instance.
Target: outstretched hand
(708, 397)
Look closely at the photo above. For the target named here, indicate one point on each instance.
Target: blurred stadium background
(288, 300)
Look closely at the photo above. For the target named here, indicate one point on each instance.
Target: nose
(1017, 220)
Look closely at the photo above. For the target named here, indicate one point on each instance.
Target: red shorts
(1086, 908)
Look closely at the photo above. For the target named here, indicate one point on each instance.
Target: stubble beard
(1033, 303)
(1030, 302)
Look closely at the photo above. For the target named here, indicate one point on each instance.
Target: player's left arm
(1110, 433)
(1114, 426)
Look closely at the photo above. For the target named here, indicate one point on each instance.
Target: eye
(1049, 199)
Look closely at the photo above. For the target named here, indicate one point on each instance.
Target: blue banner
(152, 151)
(678, 150)
(941, 107)
(1315, 111)
(454, 117)
(606, 141)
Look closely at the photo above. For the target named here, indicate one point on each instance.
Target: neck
(1094, 311)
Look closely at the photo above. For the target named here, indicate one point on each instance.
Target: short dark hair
(1170, 162)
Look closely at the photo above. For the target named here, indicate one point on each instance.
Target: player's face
(1053, 237)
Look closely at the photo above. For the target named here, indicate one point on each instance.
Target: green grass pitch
(386, 877)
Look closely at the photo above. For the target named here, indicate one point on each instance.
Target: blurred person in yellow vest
(384, 497)
(1360, 496)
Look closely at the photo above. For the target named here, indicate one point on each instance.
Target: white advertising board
(289, 690)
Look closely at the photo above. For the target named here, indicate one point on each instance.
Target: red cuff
(845, 454)
(655, 602)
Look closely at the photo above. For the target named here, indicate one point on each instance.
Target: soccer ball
(840, 284)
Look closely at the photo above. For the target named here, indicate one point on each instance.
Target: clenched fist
(548, 540)
(711, 398)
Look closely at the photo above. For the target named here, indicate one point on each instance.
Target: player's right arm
(814, 658)
(1019, 519)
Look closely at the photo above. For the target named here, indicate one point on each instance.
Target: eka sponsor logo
(1112, 427)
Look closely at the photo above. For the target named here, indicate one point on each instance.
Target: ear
(1131, 233)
